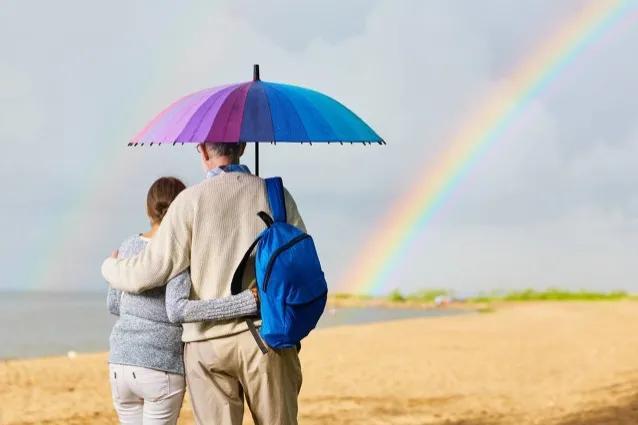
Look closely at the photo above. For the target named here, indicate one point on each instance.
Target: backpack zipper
(278, 251)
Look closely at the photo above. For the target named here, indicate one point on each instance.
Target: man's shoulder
(186, 196)
(225, 180)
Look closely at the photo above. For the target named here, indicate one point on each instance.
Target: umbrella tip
(256, 72)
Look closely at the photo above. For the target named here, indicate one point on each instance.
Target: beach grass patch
(396, 296)
(551, 294)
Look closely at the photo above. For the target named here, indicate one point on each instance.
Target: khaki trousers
(221, 371)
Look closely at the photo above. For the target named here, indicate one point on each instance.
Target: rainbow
(372, 270)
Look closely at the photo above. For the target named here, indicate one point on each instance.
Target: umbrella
(256, 111)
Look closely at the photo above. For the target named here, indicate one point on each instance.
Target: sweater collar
(230, 168)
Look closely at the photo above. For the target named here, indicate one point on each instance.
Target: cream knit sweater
(208, 228)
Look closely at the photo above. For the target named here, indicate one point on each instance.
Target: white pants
(143, 396)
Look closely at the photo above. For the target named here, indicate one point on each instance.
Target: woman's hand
(115, 254)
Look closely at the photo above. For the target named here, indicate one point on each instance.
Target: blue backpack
(292, 287)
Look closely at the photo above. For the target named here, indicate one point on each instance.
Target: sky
(555, 204)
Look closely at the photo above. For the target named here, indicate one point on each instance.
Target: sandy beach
(544, 363)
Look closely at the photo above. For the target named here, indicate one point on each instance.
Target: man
(208, 228)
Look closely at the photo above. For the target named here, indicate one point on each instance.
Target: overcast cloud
(554, 203)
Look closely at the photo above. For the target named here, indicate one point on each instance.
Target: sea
(36, 324)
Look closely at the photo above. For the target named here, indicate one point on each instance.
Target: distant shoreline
(440, 298)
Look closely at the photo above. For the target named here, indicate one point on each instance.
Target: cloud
(293, 25)
(82, 80)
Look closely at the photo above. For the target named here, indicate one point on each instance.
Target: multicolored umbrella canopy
(256, 111)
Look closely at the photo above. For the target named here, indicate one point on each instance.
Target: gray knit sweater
(147, 332)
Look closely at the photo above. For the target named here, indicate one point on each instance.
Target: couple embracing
(179, 325)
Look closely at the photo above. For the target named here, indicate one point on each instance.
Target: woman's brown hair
(160, 195)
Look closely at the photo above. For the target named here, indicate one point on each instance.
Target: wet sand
(559, 363)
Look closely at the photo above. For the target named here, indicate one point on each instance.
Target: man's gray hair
(232, 150)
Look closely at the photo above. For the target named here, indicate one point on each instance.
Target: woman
(145, 359)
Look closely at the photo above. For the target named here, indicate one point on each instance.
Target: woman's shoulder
(132, 246)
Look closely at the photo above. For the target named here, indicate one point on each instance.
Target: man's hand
(115, 253)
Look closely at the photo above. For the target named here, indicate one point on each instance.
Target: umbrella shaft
(257, 159)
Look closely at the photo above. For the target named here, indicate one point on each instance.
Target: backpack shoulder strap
(235, 288)
(238, 276)
(276, 199)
